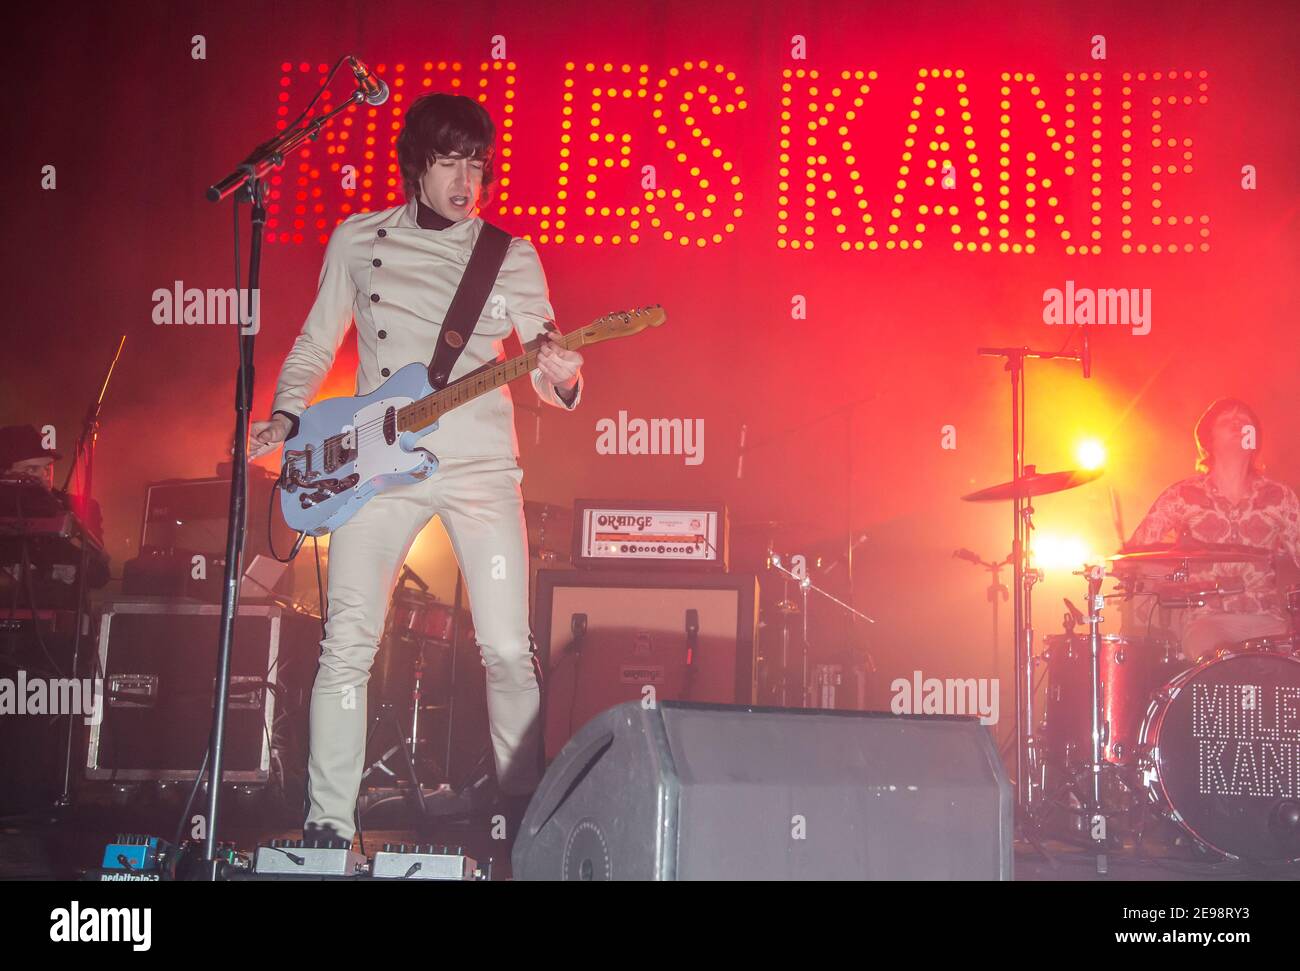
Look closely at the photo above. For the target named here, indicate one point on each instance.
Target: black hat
(21, 442)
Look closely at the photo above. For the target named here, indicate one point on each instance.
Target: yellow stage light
(1090, 454)
(1049, 551)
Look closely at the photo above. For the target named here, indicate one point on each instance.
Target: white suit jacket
(396, 281)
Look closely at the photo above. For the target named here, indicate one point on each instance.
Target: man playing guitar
(394, 273)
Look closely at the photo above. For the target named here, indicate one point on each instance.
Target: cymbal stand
(1035, 780)
(1096, 815)
(1027, 761)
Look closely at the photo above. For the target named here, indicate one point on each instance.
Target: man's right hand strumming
(266, 436)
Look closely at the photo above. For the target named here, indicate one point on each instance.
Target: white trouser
(481, 507)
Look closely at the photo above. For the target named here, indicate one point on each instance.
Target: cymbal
(1034, 483)
(1193, 552)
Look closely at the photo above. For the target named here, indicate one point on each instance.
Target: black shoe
(323, 837)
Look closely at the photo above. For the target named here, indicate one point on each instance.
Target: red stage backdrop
(835, 202)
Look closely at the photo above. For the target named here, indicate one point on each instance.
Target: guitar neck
(423, 413)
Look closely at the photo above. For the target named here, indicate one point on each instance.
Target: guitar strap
(467, 305)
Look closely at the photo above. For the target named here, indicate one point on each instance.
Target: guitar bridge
(327, 489)
(297, 469)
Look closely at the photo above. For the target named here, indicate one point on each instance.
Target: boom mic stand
(850, 545)
(247, 183)
(806, 584)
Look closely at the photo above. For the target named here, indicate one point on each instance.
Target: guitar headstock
(623, 323)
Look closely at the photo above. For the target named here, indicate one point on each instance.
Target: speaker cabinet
(612, 636)
(158, 662)
(33, 747)
(709, 792)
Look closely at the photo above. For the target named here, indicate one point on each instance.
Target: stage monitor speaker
(710, 792)
(606, 637)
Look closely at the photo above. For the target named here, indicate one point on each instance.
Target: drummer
(1230, 501)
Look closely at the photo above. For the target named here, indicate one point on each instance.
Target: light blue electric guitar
(349, 449)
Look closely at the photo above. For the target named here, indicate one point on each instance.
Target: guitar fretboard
(420, 414)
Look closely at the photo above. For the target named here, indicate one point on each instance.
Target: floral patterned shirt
(1268, 517)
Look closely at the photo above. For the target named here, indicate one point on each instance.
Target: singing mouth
(460, 202)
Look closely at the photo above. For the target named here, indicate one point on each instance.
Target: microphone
(1085, 357)
(372, 86)
(967, 555)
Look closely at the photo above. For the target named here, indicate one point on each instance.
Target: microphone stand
(247, 183)
(995, 591)
(847, 410)
(90, 428)
(805, 584)
(85, 446)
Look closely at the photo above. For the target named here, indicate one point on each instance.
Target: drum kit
(1211, 744)
(421, 633)
(1130, 725)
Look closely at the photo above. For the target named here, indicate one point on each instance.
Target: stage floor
(35, 848)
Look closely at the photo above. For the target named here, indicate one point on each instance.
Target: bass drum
(1220, 754)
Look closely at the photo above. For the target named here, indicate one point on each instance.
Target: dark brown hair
(444, 124)
(1204, 433)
